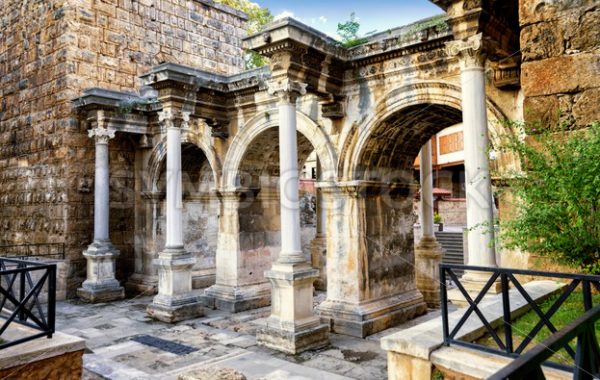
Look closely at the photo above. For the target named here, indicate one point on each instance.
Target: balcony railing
(508, 279)
(28, 298)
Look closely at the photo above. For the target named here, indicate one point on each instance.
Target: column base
(101, 284)
(428, 256)
(141, 284)
(203, 279)
(292, 326)
(175, 301)
(318, 252)
(309, 337)
(367, 318)
(189, 309)
(235, 299)
(101, 294)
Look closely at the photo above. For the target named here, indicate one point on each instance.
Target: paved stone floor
(123, 343)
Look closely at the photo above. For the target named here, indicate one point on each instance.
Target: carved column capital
(470, 52)
(172, 118)
(101, 135)
(287, 90)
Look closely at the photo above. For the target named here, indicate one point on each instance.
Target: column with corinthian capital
(480, 217)
(175, 300)
(292, 326)
(101, 284)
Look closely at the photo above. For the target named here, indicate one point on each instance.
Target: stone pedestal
(101, 285)
(428, 256)
(175, 301)
(292, 326)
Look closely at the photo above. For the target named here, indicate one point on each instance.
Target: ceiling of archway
(262, 155)
(397, 140)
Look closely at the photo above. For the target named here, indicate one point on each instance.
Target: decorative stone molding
(101, 135)
(170, 118)
(287, 90)
(469, 51)
(334, 109)
(507, 73)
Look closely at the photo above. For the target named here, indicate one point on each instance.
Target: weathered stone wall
(68, 366)
(49, 53)
(453, 211)
(560, 43)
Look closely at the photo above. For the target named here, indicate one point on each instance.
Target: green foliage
(557, 195)
(437, 218)
(348, 31)
(437, 22)
(258, 18)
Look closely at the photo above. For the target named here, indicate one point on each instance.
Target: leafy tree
(349, 32)
(258, 18)
(557, 213)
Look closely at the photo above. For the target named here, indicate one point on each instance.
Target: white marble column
(292, 326)
(175, 300)
(480, 218)
(428, 251)
(101, 284)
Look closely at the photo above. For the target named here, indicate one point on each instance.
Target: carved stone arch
(265, 121)
(435, 93)
(159, 154)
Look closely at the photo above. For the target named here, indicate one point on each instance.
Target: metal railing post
(508, 341)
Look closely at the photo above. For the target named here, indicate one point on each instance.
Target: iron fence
(507, 278)
(28, 298)
(587, 359)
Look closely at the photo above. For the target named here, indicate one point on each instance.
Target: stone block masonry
(560, 38)
(50, 51)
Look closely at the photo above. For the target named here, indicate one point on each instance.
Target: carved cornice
(287, 90)
(470, 52)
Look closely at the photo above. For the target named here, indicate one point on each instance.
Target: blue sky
(379, 15)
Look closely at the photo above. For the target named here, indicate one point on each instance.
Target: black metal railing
(507, 278)
(587, 359)
(27, 297)
(43, 250)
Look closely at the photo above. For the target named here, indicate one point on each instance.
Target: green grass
(570, 310)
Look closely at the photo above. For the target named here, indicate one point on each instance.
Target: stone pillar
(370, 265)
(101, 284)
(175, 301)
(292, 326)
(145, 278)
(428, 252)
(237, 287)
(480, 217)
(318, 246)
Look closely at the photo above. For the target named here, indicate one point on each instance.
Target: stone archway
(370, 256)
(200, 173)
(434, 93)
(249, 233)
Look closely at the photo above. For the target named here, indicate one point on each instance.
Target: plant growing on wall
(258, 18)
(348, 31)
(557, 208)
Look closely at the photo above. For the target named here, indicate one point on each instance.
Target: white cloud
(284, 14)
(323, 19)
